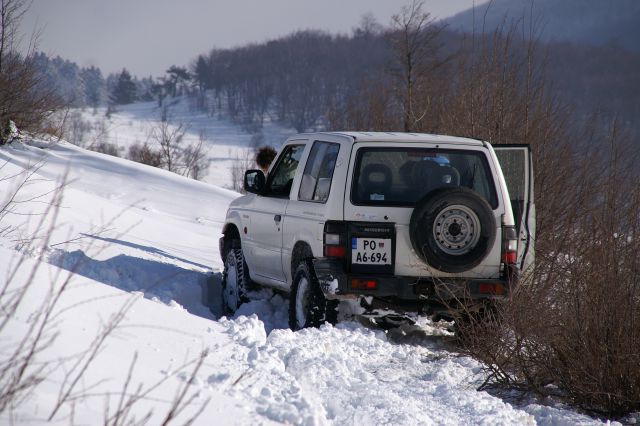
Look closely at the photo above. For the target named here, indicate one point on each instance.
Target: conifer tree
(125, 89)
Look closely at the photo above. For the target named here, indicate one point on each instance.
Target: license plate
(371, 251)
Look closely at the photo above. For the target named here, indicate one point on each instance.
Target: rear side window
(402, 176)
(318, 172)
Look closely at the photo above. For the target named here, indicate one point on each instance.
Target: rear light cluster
(491, 288)
(509, 245)
(335, 239)
(360, 284)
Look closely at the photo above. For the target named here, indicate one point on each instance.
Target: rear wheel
(235, 281)
(307, 305)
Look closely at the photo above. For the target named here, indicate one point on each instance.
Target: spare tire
(452, 229)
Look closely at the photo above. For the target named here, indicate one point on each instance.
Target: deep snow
(134, 234)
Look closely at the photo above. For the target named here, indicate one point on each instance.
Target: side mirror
(254, 181)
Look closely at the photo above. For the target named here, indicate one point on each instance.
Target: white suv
(414, 221)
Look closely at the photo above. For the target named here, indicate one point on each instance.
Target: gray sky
(147, 36)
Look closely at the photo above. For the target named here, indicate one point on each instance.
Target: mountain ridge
(594, 22)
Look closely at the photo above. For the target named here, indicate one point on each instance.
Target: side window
(281, 177)
(316, 180)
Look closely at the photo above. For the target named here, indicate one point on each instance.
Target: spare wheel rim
(456, 230)
(302, 302)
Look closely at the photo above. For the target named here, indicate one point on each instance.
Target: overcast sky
(147, 36)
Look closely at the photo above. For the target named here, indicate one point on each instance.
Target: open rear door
(517, 167)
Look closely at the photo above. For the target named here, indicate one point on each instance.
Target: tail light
(360, 284)
(509, 245)
(491, 288)
(335, 239)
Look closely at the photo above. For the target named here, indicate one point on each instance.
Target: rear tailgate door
(517, 167)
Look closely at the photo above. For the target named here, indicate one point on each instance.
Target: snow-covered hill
(223, 142)
(141, 242)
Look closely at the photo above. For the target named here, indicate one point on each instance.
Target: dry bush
(76, 128)
(25, 98)
(190, 160)
(194, 158)
(572, 328)
(106, 148)
(145, 154)
(241, 164)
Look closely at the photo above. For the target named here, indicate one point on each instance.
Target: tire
(452, 229)
(235, 281)
(307, 305)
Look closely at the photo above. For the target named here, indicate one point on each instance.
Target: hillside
(593, 22)
(136, 243)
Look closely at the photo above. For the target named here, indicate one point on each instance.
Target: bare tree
(172, 154)
(413, 38)
(24, 99)
(240, 164)
(194, 159)
(169, 139)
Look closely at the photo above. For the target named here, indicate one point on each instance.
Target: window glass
(316, 180)
(402, 176)
(514, 163)
(281, 178)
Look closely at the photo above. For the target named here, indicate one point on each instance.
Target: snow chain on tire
(316, 309)
(232, 298)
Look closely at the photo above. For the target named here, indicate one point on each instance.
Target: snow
(128, 235)
(223, 141)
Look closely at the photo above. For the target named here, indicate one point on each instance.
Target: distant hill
(597, 22)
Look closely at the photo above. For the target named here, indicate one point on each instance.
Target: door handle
(277, 218)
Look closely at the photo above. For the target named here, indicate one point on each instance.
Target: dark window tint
(402, 176)
(514, 163)
(316, 180)
(281, 178)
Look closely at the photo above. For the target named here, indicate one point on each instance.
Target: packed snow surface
(142, 242)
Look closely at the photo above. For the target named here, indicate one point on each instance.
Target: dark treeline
(87, 86)
(314, 80)
(294, 80)
(311, 80)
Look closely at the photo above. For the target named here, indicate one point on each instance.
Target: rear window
(402, 176)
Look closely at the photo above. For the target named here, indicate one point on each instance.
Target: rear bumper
(338, 284)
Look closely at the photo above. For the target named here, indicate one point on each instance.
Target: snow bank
(134, 235)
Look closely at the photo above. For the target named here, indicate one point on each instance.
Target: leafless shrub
(572, 329)
(19, 372)
(241, 163)
(169, 138)
(22, 366)
(127, 399)
(190, 160)
(76, 129)
(145, 154)
(106, 148)
(194, 158)
(24, 97)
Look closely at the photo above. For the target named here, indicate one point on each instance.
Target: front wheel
(235, 281)
(307, 305)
